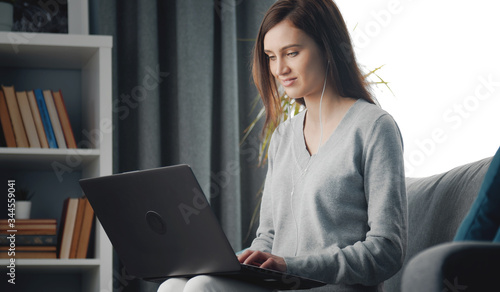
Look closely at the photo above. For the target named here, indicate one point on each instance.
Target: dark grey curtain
(182, 93)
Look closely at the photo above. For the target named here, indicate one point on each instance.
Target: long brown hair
(322, 21)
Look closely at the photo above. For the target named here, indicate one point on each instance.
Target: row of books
(75, 228)
(33, 238)
(34, 118)
(38, 238)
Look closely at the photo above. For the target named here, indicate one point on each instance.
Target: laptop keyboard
(261, 270)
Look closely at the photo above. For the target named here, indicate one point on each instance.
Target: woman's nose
(282, 67)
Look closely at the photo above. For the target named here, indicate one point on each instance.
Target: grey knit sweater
(340, 215)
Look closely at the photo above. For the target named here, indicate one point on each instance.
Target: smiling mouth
(288, 82)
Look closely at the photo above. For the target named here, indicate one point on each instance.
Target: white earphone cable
(311, 159)
(320, 109)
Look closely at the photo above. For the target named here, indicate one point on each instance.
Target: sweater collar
(302, 155)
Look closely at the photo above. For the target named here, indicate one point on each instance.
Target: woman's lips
(288, 82)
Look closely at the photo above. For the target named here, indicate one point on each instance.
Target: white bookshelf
(79, 65)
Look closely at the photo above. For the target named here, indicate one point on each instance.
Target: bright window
(442, 59)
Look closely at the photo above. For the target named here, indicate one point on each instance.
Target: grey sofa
(436, 207)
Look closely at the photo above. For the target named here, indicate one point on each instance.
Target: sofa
(437, 208)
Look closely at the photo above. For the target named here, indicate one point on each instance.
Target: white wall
(442, 59)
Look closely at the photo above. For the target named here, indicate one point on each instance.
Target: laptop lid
(160, 223)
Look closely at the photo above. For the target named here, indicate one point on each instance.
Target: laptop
(161, 226)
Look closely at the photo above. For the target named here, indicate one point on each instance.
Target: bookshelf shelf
(46, 159)
(79, 66)
(45, 50)
(55, 264)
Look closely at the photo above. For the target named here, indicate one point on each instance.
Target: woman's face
(295, 60)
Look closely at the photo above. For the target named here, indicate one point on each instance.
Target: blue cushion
(497, 237)
(483, 220)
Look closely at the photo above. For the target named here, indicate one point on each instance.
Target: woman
(334, 203)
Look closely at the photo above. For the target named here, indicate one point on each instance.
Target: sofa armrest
(454, 266)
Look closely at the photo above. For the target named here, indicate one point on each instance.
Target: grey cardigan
(340, 215)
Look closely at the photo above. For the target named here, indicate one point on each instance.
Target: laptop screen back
(160, 223)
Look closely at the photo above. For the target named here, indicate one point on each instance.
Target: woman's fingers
(256, 258)
(274, 263)
(243, 256)
(262, 259)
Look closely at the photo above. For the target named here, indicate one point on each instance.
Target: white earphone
(320, 107)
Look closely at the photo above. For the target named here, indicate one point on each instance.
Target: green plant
(287, 105)
(23, 194)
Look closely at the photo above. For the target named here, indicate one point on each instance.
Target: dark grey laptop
(161, 226)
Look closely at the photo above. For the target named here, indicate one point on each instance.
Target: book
(15, 116)
(49, 227)
(44, 113)
(3, 143)
(41, 229)
(30, 248)
(29, 226)
(30, 232)
(26, 239)
(64, 119)
(30, 255)
(88, 220)
(68, 218)
(38, 119)
(30, 221)
(27, 117)
(54, 119)
(78, 228)
(8, 131)
(29, 245)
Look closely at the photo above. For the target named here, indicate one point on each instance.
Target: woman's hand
(263, 260)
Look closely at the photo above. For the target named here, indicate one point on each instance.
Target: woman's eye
(272, 58)
(292, 54)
